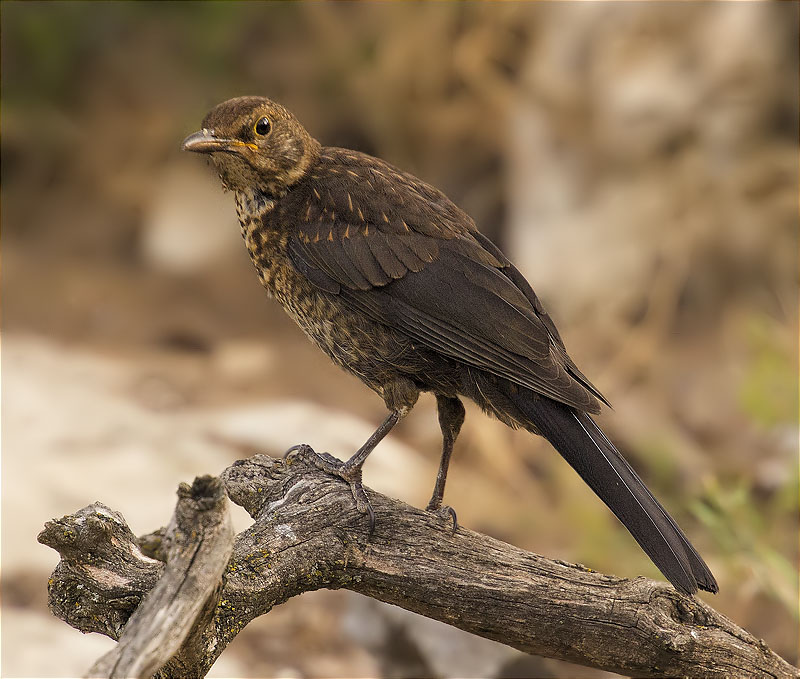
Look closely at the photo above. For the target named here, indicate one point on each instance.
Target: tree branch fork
(176, 598)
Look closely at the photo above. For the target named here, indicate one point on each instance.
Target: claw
(300, 447)
(335, 467)
(452, 513)
(371, 513)
(445, 512)
(362, 501)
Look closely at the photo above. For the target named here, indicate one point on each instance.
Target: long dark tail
(582, 443)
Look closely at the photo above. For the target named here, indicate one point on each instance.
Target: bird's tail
(587, 449)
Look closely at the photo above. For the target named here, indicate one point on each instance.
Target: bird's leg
(400, 397)
(451, 417)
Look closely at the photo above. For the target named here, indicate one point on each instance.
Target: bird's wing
(364, 223)
(399, 251)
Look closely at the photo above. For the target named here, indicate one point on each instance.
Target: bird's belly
(371, 351)
(367, 349)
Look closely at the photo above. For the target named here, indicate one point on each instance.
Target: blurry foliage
(745, 532)
(769, 390)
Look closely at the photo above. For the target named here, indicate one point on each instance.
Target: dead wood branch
(101, 557)
(308, 535)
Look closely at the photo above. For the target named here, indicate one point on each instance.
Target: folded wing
(399, 251)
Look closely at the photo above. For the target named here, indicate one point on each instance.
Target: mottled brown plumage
(395, 283)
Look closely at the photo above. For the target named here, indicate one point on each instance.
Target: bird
(397, 285)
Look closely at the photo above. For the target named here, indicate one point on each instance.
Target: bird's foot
(335, 467)
(444, 512)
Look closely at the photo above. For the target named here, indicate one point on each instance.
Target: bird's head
(255, 143)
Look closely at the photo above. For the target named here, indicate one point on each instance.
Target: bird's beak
(205, 141)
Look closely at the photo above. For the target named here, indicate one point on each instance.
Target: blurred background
(639, 163)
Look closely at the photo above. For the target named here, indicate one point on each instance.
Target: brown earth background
(638, 161)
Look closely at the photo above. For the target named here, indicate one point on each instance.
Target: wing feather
(362, 259)
(384, 253)
(400, 252)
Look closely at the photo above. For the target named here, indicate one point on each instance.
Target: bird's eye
(262, 127)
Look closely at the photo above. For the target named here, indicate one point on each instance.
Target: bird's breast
(266, 246)
(266, 242)
(368, 349)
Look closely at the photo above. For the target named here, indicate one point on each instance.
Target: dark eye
(263, 126)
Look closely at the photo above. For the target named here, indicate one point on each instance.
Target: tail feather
(587, 449)
(701, 572)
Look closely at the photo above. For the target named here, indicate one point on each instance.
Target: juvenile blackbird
(395, 283)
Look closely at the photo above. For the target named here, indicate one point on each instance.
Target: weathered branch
(308, 535)
(197, 546)
(99, 550)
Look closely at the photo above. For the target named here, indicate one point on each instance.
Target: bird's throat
(252, 204)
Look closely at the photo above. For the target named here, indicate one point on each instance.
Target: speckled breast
(370, 350)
